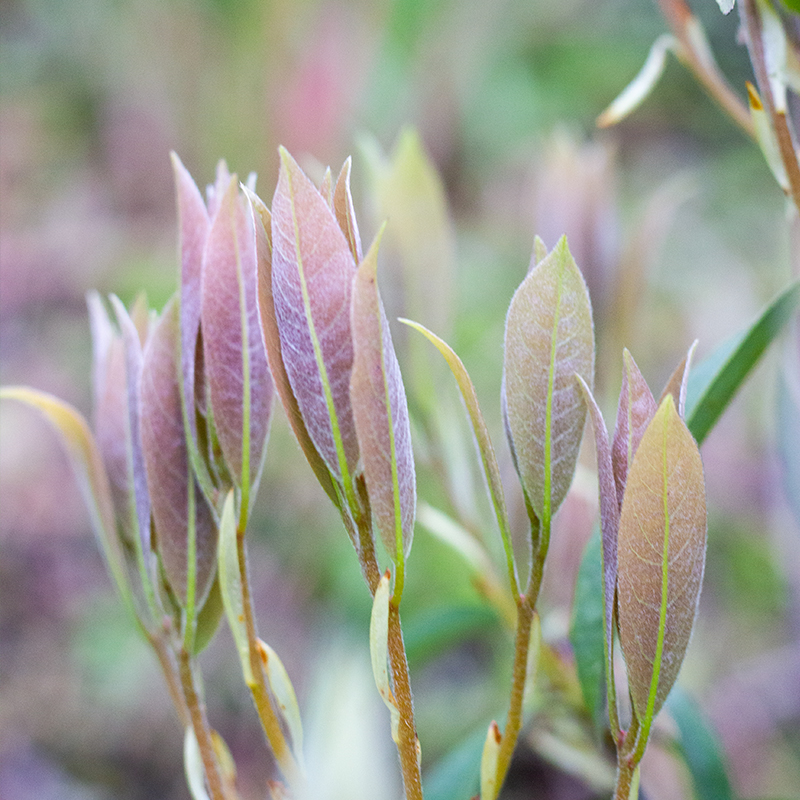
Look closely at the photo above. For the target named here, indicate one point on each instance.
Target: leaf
(491, 751)
(726, 6)
(380, 412)
(379, 651)
(272, 341)
(208, 618)
(700, 748)
(83, 452)
(345, 213)
(312, 272)
(549, 338)
(193, 766)
(193, 224)
(282, 690)
(634, 412)
(485, 449)
(766, 138)
(641, 86)
(185, 531)
(586, 628)
(679, 380)
(661, 556)
(240, 385)
(714, 382)
(230, 584)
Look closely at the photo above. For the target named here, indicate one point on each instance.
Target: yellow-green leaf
(660, 559)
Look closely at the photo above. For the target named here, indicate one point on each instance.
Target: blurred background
(673, 217)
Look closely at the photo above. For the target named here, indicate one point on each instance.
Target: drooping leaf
(700, 748)
(380, 412)
(714, 382)
(641, 86)
(312, 272)
(235, 360)
(84, 454)
(586, 628)
(185, 531)
(193, 224)
(634, 412)
(608, 558)
(379, 651)
(230, 584)
(485, 448)
(661, 557)
(679, 380)
(272, 341)
(549, 338)
(491, 751)
(345, 213)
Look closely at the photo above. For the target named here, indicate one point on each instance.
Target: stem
(408, 744)
(202, 731)
(166, 659)
(625, 773)
(258, 688)
(755, 44)
(684, 25)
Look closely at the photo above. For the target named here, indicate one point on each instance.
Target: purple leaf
(312, 273)
(345, 214)
(634, 412)
(238, 377)
(381, 414)
(172, 486)
(676, 385)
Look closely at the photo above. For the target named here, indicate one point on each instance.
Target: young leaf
(634, 412)
(235, 360)
(193, 766)
(713, 384)
(89, 471)
(379, 650)
(491, 750)
(380, 412)
(679, 380)
(185, 529)
(208, 618)
(345, 213)
(230, 584)
(312, 273)
(661, 556)
(549, 338)
(272, 340)
(485, 448)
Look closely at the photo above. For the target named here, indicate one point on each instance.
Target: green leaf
(456, 775)
(82, 450)
(586, 630)
(549, 338)
(714, 383)
(661, 557)
(209, 618)
(700, 748)
(485, 448)
(230, 584)
(491, 751)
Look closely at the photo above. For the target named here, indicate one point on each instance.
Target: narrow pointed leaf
(272, 341)
(282, 690)
(539, 252)
(609, 526)
(380, 412)
(102, 336)
(379, 650)
(661, 556)
(193, 223)
(714, 382)
(93, 481)
(235, 360)
(641, 86)
(345, 213)
(312, 272)
(230, 584)
(549, 338)
(679, 380)
(485, 448)
(185, 529)
(634, 412)
(491, 751)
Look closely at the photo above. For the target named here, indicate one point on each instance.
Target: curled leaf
(380, 411)
(661, 557)
(549, 339)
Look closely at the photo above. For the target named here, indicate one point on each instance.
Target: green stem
(199, 722)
